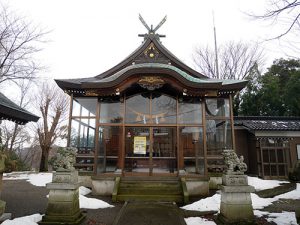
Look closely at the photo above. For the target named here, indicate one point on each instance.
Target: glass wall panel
(74, 136)
(163, 109)
(218, 136)
(111, 111)
(84, 107)
(138, 109)
(110, 139)
(76, 108)
(82, 133)
(217, 107)
(191, 140)
(83, 138)
(190, 111)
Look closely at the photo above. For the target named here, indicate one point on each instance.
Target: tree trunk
(44, 160)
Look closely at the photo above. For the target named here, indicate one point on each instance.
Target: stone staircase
(162, 189)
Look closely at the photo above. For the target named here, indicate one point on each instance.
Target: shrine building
(150, 117)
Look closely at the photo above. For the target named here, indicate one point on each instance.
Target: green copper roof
(160, 66)
(170, 67)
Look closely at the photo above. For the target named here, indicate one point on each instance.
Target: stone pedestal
(63, 203)
(3, 216)
(236, 204)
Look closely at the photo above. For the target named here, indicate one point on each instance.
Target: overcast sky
(90, 36)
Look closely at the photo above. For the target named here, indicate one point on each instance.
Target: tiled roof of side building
(268, 123)
(11, 111)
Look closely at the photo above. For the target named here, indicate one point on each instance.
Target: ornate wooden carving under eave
(91, 93)
(151, 82)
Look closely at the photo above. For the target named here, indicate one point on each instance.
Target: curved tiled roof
(11, 111)
(269, 123)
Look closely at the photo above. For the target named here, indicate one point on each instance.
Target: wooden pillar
(70, 120)
(204, 136)
(232, 122)
(180, 156)
(97, 137)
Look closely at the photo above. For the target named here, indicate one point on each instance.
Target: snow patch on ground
(41, 179)
(295, 194)
(260, 184)
(198, 221)
(26, 220)
(260, 203)
(92, 203)
(207, 204)
(213, 203)
(36, 179)
(283, 218)
(84, 191)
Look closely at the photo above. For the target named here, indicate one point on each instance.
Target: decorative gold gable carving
(151, 52)
(151, 82)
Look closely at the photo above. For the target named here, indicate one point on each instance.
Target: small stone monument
(63, 203)
(3, 216)
(236, 204)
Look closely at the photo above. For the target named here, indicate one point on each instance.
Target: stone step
(150, 191)
(167, 189)
(154, 198)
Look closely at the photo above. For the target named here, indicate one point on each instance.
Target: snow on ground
(41, 179)
(84, 191)
(260, 203)
(207, 204)
(36, 179)
(260, 184)
(198, 221)
(295, 194)
(284, 218)
(26, 220)
(92, 203)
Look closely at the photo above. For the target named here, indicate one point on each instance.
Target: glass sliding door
(164, 150)
(150, 150)
(137, 149)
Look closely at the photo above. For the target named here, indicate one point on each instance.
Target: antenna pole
(216, 48)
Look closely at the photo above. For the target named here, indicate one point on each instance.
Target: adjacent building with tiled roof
(271, 145)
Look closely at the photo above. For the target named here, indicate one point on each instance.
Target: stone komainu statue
(233, 162)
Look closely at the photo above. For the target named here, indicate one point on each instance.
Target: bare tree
(283, 12)
(236, 59)
(19, 41)
(53, 106)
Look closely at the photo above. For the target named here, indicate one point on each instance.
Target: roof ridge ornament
(152, 31)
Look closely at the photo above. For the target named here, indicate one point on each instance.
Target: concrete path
(149, 213)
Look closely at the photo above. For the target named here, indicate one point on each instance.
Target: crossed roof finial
(152, 31)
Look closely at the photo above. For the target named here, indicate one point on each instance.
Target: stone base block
(236, 212)
(2, 207)
(103, 186)
(236, 198)
(65, 176)
(237, 189)
(62, 208)
(234, 180)
(75, 219)
(225, 221)
(215, 183)
(63, 195)
(197, 187)
(5, 216)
